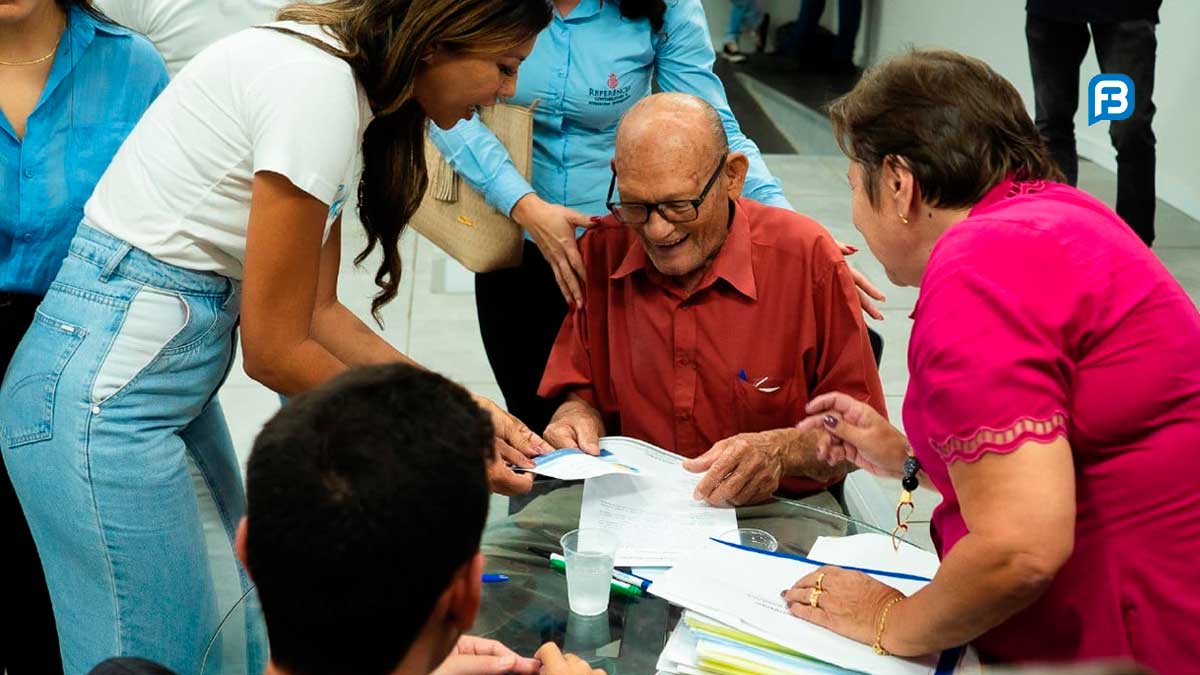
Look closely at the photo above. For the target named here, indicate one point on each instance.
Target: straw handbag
(457, 218)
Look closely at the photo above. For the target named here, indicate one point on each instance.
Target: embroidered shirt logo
(612, 94)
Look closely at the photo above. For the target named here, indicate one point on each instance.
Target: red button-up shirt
(684, 371)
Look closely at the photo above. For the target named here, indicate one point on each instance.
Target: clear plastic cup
(589, 555)
(752, 537)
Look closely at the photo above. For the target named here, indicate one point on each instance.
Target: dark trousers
(800, 42)
(520, 312)
(30, 645)
(1056, 49)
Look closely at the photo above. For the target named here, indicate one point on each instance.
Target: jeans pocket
(27, 398)
(152, 321)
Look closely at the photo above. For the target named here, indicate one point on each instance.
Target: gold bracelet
(878, 646)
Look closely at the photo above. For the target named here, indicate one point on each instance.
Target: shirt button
(683, 361)
(28, 173)
(27, 237)
(683, 417)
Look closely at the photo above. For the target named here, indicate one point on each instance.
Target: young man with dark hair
(366, 501)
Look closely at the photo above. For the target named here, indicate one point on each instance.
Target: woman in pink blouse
(1054, 398)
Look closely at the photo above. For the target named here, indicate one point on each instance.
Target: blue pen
(494, 578)
(742, 374)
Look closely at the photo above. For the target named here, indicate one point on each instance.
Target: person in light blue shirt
(71, 87)
(595, 60)
(102, 79)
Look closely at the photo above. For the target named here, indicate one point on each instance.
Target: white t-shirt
(181, 29)
(260, 100)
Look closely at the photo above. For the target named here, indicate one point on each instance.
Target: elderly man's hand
(743, 469)
(515, 444)
(576, 424)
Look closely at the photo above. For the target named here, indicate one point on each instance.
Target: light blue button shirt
(103, 79)
(587, 70)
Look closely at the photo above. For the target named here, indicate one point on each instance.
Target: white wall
(995, 32)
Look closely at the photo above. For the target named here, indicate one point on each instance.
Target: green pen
(617, 586)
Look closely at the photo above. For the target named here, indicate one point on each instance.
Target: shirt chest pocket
(93, 149)
(763, 405)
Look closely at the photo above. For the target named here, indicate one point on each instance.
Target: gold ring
(814, 598)
(820, 578)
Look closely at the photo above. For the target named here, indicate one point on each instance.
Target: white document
(653, 514)
(875, 551)
(575, 464)
(741, 589)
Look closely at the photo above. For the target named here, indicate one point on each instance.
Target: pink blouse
(1042, 315)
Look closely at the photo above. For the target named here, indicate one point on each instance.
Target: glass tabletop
(531, 607)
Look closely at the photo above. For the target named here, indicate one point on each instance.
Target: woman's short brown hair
(957, 124)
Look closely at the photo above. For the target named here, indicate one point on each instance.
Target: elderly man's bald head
(671, 123)
(676, 181)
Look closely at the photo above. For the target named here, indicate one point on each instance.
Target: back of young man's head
(366, 500)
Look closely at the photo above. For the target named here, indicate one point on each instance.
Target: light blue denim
(112, 479)
(744, 15)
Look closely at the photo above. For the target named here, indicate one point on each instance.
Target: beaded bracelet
(909, 484)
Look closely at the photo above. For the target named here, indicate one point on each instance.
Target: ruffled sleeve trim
(1003, 440)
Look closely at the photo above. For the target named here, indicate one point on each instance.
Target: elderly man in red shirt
(710, 320)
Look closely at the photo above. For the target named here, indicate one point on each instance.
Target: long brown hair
(655, 11)
(958, 125)
(384, 41)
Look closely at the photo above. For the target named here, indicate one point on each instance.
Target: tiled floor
(440, 329)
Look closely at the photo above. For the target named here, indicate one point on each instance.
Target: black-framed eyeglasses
(675, 211)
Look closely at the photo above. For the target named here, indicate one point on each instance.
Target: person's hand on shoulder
(552, 228)
(867, 291)
(554, 662)
(478, 656)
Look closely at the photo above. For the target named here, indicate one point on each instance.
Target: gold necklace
(35, 61)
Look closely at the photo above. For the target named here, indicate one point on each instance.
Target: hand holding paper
(575, 464)
(576, 424)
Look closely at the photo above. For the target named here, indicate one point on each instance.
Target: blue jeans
(117, 447)
(744, 15)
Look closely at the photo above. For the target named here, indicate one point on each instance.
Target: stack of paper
(703, 645)
(653, 514)
(739, 589)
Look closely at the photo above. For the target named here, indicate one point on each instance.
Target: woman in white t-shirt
(224, 206)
